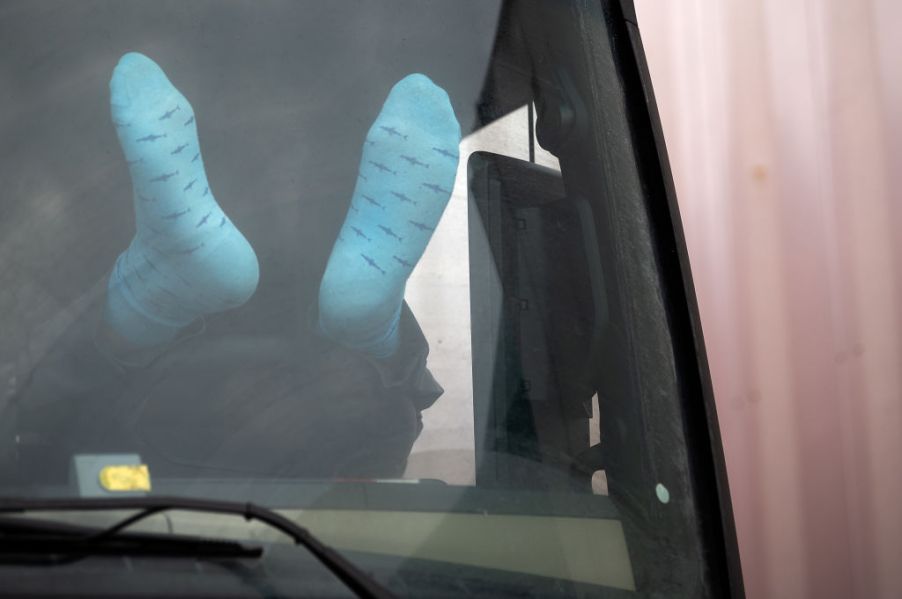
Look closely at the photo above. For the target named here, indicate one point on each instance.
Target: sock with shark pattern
(405, 179)
(187, 259)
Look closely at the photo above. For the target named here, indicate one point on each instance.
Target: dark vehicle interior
(579, 287)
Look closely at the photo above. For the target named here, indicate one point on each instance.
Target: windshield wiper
(27, 540)
(355, 579)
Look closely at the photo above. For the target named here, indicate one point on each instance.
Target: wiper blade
(355, 579)
(46, 542)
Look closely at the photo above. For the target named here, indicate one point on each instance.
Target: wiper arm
(355, 579)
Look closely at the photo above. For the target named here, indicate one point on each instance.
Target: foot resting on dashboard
(187, 259)
(405, 179)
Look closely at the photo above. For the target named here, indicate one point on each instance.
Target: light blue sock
(187, 259)
(405, 180)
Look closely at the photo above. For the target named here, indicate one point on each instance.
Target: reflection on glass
(348, 261)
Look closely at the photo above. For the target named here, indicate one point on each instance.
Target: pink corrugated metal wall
(783, 120)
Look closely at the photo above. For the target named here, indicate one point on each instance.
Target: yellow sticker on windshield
(125, 478)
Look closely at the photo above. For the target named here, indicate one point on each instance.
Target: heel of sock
(228, 275)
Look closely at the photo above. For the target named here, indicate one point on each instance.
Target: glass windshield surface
(321, 256)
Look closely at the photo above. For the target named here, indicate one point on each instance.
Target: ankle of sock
(373, 335)
(134, 324)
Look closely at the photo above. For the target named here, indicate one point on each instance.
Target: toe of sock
(419, 99)
(136, 79)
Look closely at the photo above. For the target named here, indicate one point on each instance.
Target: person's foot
(406, 176)
(187, 259)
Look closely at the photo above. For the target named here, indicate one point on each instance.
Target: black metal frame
(582, 63)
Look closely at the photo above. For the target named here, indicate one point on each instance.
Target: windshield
(391, 268)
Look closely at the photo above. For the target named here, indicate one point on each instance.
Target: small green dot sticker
(662, 493)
